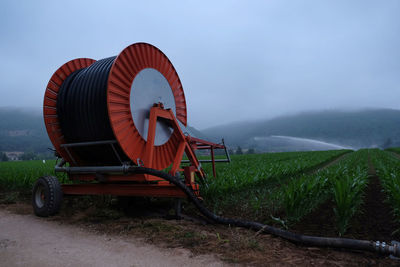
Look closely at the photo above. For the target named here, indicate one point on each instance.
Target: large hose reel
(110, 99)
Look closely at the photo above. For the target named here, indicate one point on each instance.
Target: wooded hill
(23, 130)
(355, 129)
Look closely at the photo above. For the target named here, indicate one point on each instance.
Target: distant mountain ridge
(22, 130)
(356, 129)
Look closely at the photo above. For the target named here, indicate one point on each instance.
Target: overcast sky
(237, 60)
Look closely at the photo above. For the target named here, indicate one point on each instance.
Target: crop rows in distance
(15, 175)
(250, 180)
(270, 168)
(287, 192)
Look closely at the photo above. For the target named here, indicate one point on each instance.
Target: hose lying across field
(354, 244)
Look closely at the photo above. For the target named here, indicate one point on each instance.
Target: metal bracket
(95, 143)
(139, 162)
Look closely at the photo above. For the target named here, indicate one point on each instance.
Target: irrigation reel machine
(118, 123)
(109, 116)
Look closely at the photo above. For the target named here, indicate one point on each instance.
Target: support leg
(178, 208)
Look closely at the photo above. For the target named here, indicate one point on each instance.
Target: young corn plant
(392, 186)
(348, 192)
(301, 195)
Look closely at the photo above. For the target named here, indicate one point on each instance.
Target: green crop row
(348, 189)
(287, 195)
(251, 186)
(394, 149)
(342, 183)
(20, 175)
(263, 169)
(388, 169)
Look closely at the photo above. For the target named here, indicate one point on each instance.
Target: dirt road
(26, 240)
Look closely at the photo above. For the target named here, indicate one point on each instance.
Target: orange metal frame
(146, 185)
(183, 145)
(199, 144)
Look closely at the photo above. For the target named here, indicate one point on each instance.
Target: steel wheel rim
(40, 196)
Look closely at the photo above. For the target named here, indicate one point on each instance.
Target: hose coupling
(392, 249)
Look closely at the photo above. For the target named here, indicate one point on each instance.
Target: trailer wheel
(46, 196)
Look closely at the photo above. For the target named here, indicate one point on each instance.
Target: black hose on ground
(315, 241)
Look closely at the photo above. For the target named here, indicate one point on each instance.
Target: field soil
(87, 233)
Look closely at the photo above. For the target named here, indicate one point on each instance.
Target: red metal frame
(196, 143)
(159, 187)
(154, 190)
(182, 143)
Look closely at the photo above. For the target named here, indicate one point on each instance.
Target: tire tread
(54, 196)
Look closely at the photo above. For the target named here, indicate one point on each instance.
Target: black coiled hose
(82, 104)
(83, 116)
(354, 244)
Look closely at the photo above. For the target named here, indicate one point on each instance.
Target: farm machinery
(108, 116)
(119, 126)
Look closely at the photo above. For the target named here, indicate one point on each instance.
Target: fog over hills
(349, 129)
(23, 130)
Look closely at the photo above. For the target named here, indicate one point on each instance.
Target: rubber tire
(52, 196)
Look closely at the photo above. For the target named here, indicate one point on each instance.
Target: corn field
(278, 188)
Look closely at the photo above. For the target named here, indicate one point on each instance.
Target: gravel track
(26, 240)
